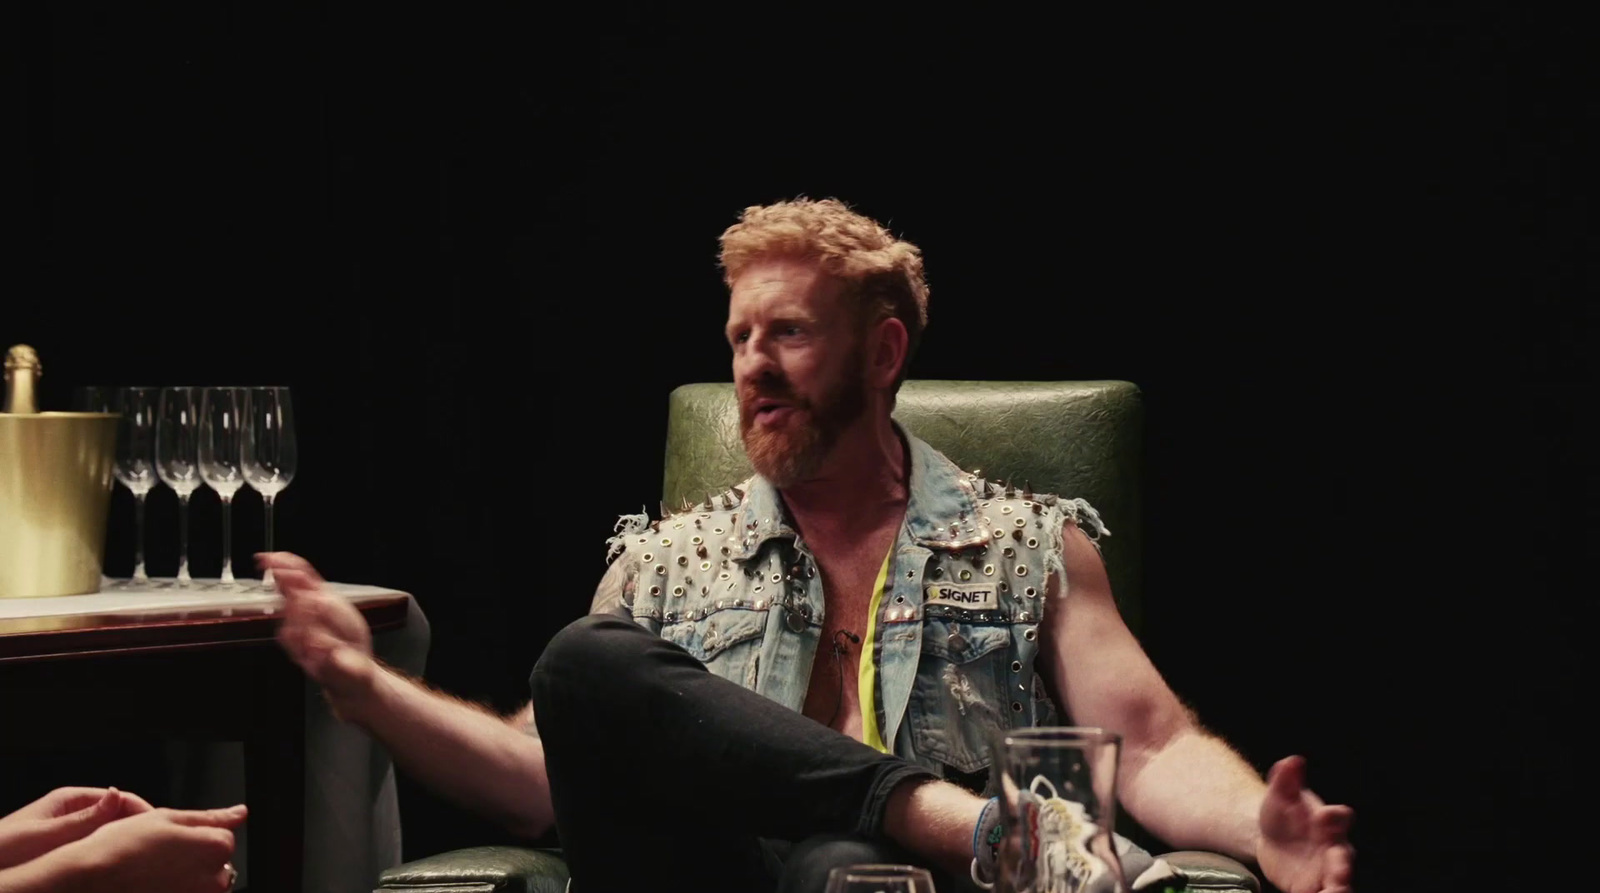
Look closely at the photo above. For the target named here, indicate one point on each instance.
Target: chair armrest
(484, 869)
(1194, 870)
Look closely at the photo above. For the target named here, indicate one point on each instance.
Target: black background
(1339, 250)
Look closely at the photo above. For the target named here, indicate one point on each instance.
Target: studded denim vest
(731, 582)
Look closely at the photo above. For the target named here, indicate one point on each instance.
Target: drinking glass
(178, 459)
(267, 452)
(221, 439)
(135, 466)
(880, 879)
(1058, 807)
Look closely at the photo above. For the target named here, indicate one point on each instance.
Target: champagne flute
(880, 879)
(178, 459)
(267, 452)
(221, 436)
(135, 467)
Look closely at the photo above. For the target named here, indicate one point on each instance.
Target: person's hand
(61, 817)
(323, 633)
(161, 851)
(1305, 845)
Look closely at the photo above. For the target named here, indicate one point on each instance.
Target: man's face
(798, 367)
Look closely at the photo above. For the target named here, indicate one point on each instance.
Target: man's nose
(754, 363)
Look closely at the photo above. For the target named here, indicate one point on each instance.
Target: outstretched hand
(324, 634)
(1305, 845)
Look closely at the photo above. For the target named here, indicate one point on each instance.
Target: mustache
(774, 390)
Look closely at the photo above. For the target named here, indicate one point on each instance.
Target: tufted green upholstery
(1071, 438)
(483, 869)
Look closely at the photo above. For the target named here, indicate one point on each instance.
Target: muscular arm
(504, 777)
(1185, 785)
(491, 764)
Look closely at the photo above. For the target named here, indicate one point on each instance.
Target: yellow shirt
(868, 673)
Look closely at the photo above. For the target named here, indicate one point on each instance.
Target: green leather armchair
(1078, 438)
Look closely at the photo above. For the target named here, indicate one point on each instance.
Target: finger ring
(233, 873)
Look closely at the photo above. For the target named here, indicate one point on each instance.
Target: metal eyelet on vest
(643, 540)
(683, 561)
(705, 590)
(718, 530)
(655, 590)
(1022, 522)
(1031, 633)
(726, 550)
(1033, 543)
(1024, 617)
(649, 556)
(722, 576)
(1030, 592)
(661, 569)
(705, 565)
(988, 570)
(757, 589)
(677, 591)
(1009, 552)
(1004, 586)
(696, 540)
(777, 578)
(1005, 509)
(678, 526)
(666, 541)
(1021, 570)
(937, 572)
(899, 599)
(998, 533)
(1016, 666)
(911, 575)
(796, 622)
(966, 574)
(1016, 706)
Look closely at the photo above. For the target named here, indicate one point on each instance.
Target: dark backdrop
(1339, 251)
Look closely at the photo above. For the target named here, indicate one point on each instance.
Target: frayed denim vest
(731, 582)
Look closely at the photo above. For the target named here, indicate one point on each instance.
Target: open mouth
(769, 412)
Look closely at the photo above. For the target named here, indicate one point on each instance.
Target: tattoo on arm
(615, 592)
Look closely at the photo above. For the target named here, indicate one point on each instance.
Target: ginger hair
(882, 275)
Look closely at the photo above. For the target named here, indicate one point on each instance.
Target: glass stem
(138, 539)
(266, 501)
(183, 540)
(227, 538)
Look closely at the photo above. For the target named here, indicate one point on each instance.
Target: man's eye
(791, 330)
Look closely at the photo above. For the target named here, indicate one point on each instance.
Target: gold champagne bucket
(55, 489)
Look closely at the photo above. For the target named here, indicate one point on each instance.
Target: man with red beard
(806, 670)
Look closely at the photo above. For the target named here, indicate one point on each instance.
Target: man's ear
(887, 343)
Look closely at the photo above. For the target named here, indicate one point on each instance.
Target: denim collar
(941, 512)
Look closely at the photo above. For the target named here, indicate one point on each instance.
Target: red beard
(794, 448)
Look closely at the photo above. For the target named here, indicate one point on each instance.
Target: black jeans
(665, 777)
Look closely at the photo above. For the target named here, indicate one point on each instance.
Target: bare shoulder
(1085, 567)
(614, 595)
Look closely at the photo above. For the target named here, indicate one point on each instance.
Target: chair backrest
(1071, 438)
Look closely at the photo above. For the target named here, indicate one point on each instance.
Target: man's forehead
(782, 280)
